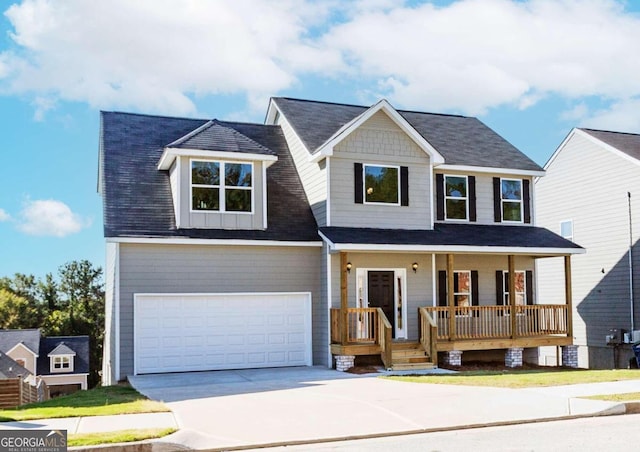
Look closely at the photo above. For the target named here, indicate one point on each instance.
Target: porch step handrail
(385, 339)
(428, 334)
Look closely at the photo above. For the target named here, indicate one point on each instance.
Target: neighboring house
(585, 198)
(62, 362)
(329, 232)
(9, 368)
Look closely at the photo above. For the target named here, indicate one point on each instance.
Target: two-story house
(329, 232)
(591, 194)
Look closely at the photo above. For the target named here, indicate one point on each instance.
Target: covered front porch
(449, 324)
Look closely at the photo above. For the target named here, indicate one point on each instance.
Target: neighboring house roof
(75, 344)
(61, 349)
(137, 196)
(11, 369)
(629, 143)
(453, 235)
(461, 140)
(30, 338)
(216, 136)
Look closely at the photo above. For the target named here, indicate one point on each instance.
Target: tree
(16, 311)
(48, 292)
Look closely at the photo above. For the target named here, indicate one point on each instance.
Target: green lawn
(123, 436)
(523, 378)
(94, 402)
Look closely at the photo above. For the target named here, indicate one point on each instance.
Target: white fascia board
(271, 112)
(216, 242)
(170, 154)
(326, 149)
(488, 169)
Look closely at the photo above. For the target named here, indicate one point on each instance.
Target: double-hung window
(462, 288)
(381, 184)
(520, 288)
(221, 186)
(62, 363)
(511, 200)
(455, 195)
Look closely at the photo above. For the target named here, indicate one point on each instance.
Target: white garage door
(178, 333)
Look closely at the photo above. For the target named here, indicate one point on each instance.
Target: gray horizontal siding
(589, 185)
(217, 269)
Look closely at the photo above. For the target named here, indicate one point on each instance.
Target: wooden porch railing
(494, 322)
(428, 334)
(364, 326)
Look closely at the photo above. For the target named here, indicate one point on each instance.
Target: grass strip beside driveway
(626, 397)
(102, 401)
(122, 436)
(523, 378)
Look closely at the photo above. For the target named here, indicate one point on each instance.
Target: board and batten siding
(149, 268)
(312, 175)
(219, 220)
(486, 266)
(379, 141)
(588, 184)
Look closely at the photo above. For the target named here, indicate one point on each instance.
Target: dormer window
(219, 186)
(62, 363)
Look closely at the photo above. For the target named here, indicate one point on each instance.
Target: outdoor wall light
(349, 267)
(415, 267)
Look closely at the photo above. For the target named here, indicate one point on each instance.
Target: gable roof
(629, 143)
(137, 199)
(461, 140)
(30, 338)
(61, 349)
(75, 344)
(11, 369)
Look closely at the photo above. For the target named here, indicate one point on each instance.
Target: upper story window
(455, 193)
(62, 363)
(511, 200)
(221, 186)
(566, 229)
(381, 184)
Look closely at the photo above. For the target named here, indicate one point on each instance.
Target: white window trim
(364, 189)
(505, 290)
(221, 187)
(362, 298)
(458, 198)
(521, 201)
(570, 221)
(52, 364)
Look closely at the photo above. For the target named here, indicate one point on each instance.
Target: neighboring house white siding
(312, 175)
(110, 295)
(148, 268)
(379, 141)
(588, 185)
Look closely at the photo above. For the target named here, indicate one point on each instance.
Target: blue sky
(531, 70)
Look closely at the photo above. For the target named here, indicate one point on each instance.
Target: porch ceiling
(453, 238)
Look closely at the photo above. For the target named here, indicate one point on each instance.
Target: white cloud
(469, 56)
(4, 216)
(50, 218)
(622, 116)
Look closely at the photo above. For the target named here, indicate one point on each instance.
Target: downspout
(631, 301)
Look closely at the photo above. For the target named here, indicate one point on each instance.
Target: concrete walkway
(232, 409)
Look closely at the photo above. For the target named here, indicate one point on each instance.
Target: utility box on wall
(614, 337)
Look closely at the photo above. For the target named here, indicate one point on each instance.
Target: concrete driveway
(301, 404)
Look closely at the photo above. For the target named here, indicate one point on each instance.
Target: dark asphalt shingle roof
(137, 198)
(28, 337)
(216, 136)
(11, 369)
(78, 344)
(629, 143)
(452, 235)
(461, 140)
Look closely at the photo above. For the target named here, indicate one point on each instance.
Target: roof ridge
(608, 131)
(322, 102)
(149, 115)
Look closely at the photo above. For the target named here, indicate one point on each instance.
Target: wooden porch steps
(409, 356)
